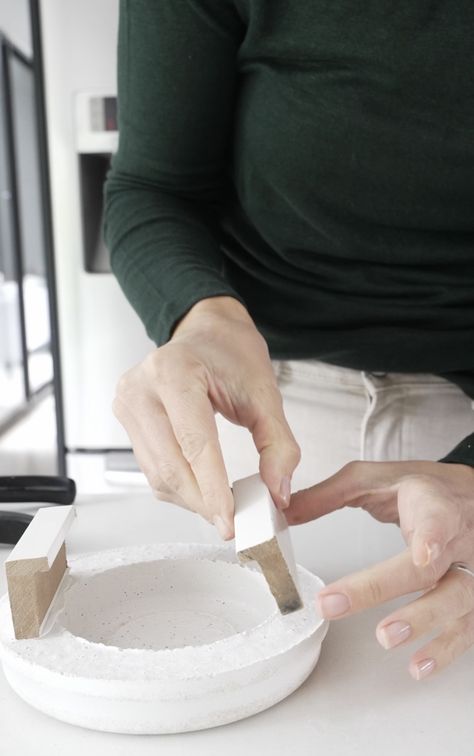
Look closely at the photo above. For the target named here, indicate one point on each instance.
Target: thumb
(429, 517)
(277, 447)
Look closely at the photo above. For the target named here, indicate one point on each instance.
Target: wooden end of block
(262, 535)
(35, 568)
(277, 574)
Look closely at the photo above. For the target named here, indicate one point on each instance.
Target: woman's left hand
(433, 502)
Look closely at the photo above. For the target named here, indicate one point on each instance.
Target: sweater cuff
(463, 453)
(160, 326)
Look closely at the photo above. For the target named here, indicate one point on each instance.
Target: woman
(295, 181)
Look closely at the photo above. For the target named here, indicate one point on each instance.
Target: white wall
(100, 336)
(15, 23)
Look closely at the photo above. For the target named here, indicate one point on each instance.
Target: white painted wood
(257, 519)
(45, 535)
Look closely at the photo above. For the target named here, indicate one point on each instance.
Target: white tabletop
(359, 700)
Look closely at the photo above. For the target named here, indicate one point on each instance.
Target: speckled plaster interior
(166, 604)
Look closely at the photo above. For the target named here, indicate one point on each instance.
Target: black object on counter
(24, 489)
(13, 525)
(54, 489)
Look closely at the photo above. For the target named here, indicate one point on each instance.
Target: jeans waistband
(312, 370)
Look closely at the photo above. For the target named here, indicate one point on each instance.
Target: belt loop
(371, 393)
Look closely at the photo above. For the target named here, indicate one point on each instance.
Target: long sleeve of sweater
(176, 87)
(463, 453)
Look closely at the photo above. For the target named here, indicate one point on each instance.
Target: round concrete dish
(160, 639)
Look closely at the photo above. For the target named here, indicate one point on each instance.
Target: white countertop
(360, 699)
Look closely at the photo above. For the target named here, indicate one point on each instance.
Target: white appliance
(100, 335)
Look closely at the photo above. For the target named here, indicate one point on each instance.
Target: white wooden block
(44, 535)
(36, 567)
(262, 535)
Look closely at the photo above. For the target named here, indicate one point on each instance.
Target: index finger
(352, 485)
(191, 416)
(379, 583)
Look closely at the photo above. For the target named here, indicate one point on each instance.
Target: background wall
(15, 23)
(100, 335)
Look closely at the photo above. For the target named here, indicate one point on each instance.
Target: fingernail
(334, 605)
(392, 634)
(423, 668)
(222, 528)
(285, 492)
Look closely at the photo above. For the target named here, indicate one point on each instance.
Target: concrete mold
(161, 639)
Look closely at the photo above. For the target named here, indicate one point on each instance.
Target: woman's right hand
(216, 361)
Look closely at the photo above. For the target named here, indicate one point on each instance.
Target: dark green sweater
(315, 159)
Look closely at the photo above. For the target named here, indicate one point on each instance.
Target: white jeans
(338, 415)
